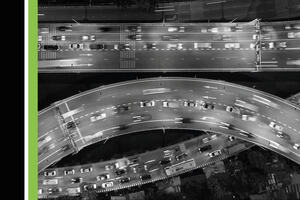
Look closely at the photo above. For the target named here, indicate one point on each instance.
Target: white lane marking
(153, 170)
(48, 156)
(149, 161)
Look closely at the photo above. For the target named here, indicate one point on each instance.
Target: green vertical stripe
(32, 100)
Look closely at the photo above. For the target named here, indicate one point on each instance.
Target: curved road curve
(68, 125)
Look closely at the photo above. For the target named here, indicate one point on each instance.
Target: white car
(107, 184)
(232, 45)
(109, 167)
(69, 172)
(293, 35)
(175, 46)
(215, 153)
(233, 109)
(102, 177)
(85, 170)
(248, 118)
(296, 146)
(90, 186)
(98, 117)
(50, 173)
(74, 46)
(147, 103)
(170, 104)
(202, 45)
(88, 37)
(40, 38)
(50, 182)
(40, 191)
(176, 29)
(276, 126)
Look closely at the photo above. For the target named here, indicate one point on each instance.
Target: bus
(180, 167)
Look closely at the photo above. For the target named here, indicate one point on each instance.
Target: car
(171, 104)
(204, 148)
(232, 45)
(43, 30)
(283, 136)
(107, 184)
(135, 37)
(231, 138)
(249, 118)
(86, 170)
(296, 146)
(139, 118)
(125, 47)
(121, 109)
(207, 139)
(205, 45)
(134, 28)
(175, 46)
(189, 104)
(208, 106)
(221, 29)
(275, 126)
(59, 37)
(102, 177)
(169, 37)
(97, 46)
(54, 190)
(76, 180)
(150, 46)
(233, 109)
(147, 104)
(123, 127)
(50, 182)
(183, 120)
(280, 44)
(72, 191)
(176, 29)
(89, 187)
(64, 28)
(98, 116)
(88, 37)
(40, 38)
(215, 153)
(104, 29)
(293, 35)
(51, 47)
(181, 156)
(69, 172)
(71, 125)
(120, 172)
(164, 161)
(109, 167)
(75, 46)
(292, 26)
(40, 191)
(124, 180)
(50, 173)
(145, 177)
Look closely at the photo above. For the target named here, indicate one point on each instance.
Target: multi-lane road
(169, 47)
(138, 169)
(185, 103)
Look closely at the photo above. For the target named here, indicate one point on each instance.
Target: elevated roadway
(221, 47)
(96, 115)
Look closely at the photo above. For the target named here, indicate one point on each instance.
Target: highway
(146, 164)
(200, 104)
(220, 47)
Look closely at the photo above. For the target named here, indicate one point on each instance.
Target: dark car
(123, 127)
(145, 177)
(64, 28)
(122, 109)
(134, 28)
(135, 37)
(59, 37)
(98, 46)
(150, 46)
(120, 172)
(204, 148)
(169, 37)
(124, 180)
(54, 190)
(76, 180)
(181, 156)
(165, 161)
(50, 47)
(71, 125)
(104, 29)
